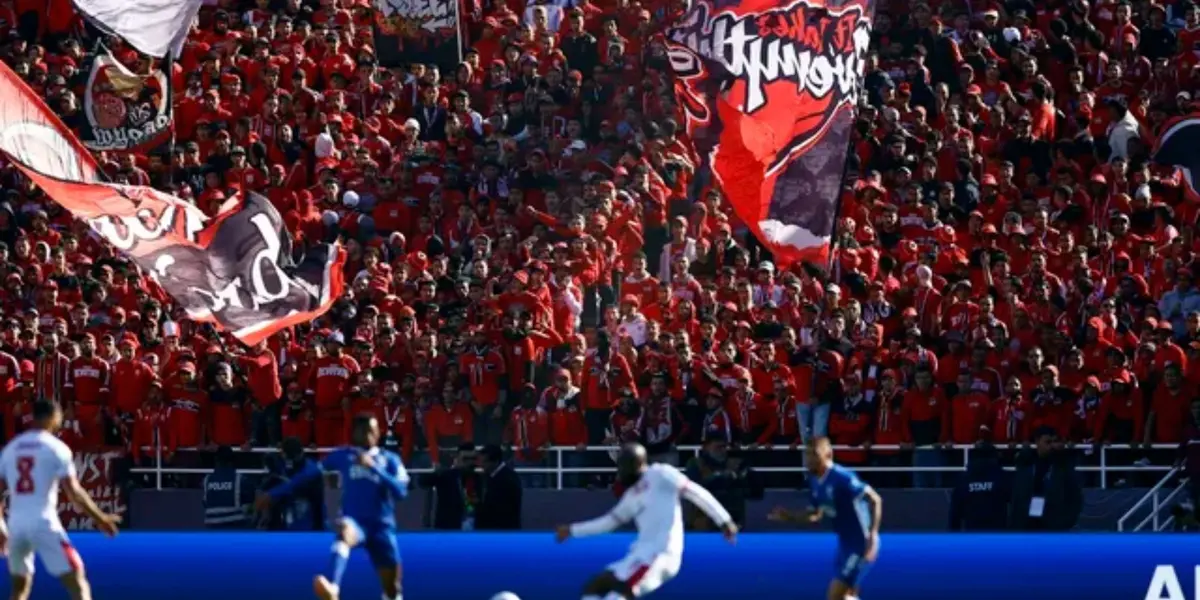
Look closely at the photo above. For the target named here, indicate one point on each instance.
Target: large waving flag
(1176, 146)
(124, 110)
(235, 271)
(418, 31)
(769, 89)
(154, 27)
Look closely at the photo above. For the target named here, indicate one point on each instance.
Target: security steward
(227, 497)
(980, 500)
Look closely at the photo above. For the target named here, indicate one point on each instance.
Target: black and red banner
(1176, 145)
(770, 90)
(236, 270)
(124, 110)
(417, 31)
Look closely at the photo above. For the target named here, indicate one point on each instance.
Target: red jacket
(1010, 420)
(601, 381)
(1130, 407)
(296, 421)
(485, 373)
(400, 422)
(129, 384)
(227, 425)
(262, 376)
(785, 424)
(752, 414)
(448, 426)
(567, 426)
(965, 414)
(189, 415)
(330, 381)
(528, 431)
(851, 426)
(889, 426)
(87, 381)
(1053, 408)
(151, 427)
(52, 374)
(1170, 412)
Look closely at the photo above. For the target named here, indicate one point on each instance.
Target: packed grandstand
(537, 254)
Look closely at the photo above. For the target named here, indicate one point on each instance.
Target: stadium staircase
(1155, 511)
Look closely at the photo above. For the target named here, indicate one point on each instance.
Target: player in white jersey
(32, 466)
(651, 500)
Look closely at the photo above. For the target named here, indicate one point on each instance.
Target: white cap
(330, 218)
(413, 123)
(833, 288)
(170, 329)
(336, 338)
(1142, 192)
(576, 147)
(1012, 35)
(324, 146)
(924, 273)
(350, 199)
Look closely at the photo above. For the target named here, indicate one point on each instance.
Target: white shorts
(58, 555)
(644, 576)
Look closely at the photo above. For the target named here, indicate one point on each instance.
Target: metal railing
(561, 468)
(1156, 502)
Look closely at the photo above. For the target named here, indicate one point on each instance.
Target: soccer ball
(506, 596)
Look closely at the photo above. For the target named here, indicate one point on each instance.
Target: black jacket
(304, 509)
(500, 508)
(449, 487)
(1059, 487)
(731, 483)
(980, 500)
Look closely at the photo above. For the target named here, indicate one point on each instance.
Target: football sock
(339, 555)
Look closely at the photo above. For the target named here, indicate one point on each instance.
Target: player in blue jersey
(855, 508)
(369, 480)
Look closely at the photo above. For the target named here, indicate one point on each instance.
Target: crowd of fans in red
(536, 257)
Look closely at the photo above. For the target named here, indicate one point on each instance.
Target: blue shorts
(850, 567)
(379, 542)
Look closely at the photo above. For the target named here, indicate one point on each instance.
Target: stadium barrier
(469, 566)
(561, 461)
(1157, 505)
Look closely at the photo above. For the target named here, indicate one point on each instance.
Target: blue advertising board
(253, 566)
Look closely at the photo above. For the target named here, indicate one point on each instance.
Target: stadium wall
(904, 510)
(254, 566)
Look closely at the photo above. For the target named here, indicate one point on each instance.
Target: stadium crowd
(537, 256)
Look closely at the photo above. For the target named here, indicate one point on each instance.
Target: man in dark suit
(430, 116)
(1046, 492)
(500, 509)
(456, 492)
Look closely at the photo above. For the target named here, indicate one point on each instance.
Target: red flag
(769, 89)
(236, 271)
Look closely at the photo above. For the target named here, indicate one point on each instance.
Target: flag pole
(834, 239)
(168, 68)
(458, 25)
